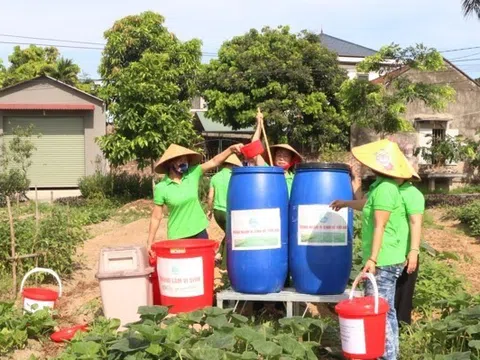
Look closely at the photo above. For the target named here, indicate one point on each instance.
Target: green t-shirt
(414, 203)
(219, 183)
(384, 195)
(289, 178)
(185, 214)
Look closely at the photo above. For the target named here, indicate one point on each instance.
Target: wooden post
(51, 197)
(12, 243)
(17, 197)
(152, 166)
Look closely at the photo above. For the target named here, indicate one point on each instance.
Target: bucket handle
(49, 271)
(370, 277)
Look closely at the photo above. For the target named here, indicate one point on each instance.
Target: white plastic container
(124, 276)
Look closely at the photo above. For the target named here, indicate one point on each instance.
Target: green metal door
(59, 158)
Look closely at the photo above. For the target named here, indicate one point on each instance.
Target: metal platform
(288, 296)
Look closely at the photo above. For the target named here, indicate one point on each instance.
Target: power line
(206, 54)
(59, 46)
(460, 49)
(466, 56)
(50, 39)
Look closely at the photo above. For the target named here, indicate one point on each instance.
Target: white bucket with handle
(38, 298)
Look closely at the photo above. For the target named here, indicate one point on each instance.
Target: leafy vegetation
(60, 232)
(453, 200)
(116, 185)
(17, 328)
(208, 334)
(149, 80)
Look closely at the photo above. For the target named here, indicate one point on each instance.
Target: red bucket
(363, 323)
(154, 281)
(38, 298)
(185, 270)
(253, 149)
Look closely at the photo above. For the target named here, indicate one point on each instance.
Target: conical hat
(385, 157)
(297, 158)
(173, 152)
(233, 160)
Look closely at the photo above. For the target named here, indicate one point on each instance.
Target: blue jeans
(386, 277)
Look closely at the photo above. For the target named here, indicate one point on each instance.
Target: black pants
(201, 235)
(404, 295)
(221, 219)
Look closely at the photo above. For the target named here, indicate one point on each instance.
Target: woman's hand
(369, 267)
(236, 148)
(338, 204)
(209, 214)
(151, 253)
(259, 117)
(412, 261)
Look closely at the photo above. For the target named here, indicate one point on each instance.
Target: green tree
(149, 77)
(291, 77)
(381, 106)
(471, 7)
(34, 61)
(66, 71)
(30, 62)
(2, 73)
(15, 160)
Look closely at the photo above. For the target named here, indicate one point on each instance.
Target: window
(363, 77)
(438, 135)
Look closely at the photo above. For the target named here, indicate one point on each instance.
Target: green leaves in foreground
(209, 334)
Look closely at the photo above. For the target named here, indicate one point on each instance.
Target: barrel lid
(324, 166)
(257, 170)
(363, 306)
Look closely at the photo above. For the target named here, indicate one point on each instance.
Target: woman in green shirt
(384, 244)
(178, 192)
(283, 155)
(217, 196)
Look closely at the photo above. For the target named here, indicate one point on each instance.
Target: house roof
(47, 106)
(53, 80)
(215, 127)
(345, 48)
(394, 74)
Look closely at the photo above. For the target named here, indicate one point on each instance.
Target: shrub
(116, 185)
(438, 200)
(470, 216)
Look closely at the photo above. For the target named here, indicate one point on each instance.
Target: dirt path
(448, 235)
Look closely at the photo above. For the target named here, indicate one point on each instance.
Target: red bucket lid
(40, 294)
(67, 334)
(363, 306)
(185, 244)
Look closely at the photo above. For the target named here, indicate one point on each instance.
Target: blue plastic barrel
(257, 229)
(320, 239)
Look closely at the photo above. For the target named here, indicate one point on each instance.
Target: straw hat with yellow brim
(385, 157)
(233, 160)
(175, 151)
(297, 158)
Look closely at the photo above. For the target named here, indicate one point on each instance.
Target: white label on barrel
(319, 225)
(258, 229)
(29, 303)
(352, 333)
(180, 278)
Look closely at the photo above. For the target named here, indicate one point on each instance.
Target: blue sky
(372, 23)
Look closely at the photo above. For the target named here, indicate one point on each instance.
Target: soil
(449, 235)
